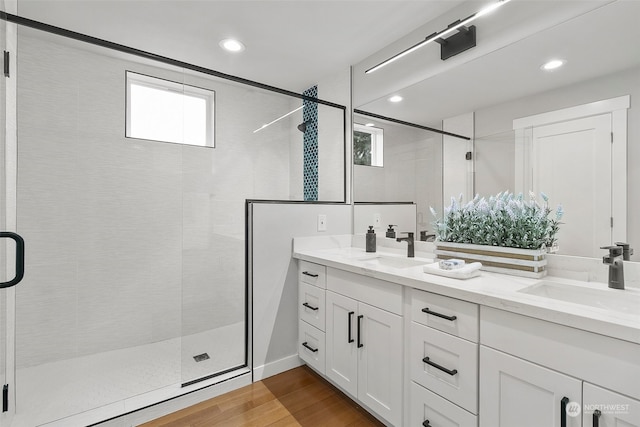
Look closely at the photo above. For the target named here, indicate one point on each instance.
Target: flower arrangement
(502, 220)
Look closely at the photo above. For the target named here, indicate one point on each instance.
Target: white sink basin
(393, 262)
(621, 301)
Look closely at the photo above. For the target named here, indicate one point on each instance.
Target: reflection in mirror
(411, 172)
(505, 84)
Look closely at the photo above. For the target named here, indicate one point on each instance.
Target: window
(367, 145)
(166, 111)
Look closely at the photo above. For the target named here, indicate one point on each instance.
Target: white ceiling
(595, 38)
(289, 44)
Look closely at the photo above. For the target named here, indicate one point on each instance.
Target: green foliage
(502, 220)
(361, 148)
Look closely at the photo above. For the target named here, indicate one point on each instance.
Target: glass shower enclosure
(134, 287)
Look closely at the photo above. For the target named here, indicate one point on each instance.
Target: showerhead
(302, 127)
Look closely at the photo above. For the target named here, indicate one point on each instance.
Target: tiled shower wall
(132, 241)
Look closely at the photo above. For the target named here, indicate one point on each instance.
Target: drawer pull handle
(350, 338)
(360, 345)
(563, 411)
(425, 423)
(304, 344)
(596, 418)
(306, 304)
(433, 313)
(442, 368)
(306, 273)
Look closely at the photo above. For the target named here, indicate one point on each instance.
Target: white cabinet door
(604, 408)
(341, 356)
(514, 392)
(379, 341)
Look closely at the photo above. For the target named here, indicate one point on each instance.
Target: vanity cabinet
(443, 360)
(531, 370)
(604, 408)
(311, 314)
(364, 341)
(519, 393)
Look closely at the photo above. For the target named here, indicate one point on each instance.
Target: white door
(571, 162)
(603, 408)
(380, 361)
(514, 392)
(341, 330)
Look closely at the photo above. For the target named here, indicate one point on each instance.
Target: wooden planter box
(515, 261)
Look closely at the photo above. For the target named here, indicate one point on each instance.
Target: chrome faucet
(615, 263)
(410, 243)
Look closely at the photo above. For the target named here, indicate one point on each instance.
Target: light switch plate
(322, 222)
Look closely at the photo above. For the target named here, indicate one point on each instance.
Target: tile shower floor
(61, 389)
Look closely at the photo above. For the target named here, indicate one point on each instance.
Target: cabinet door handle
(563, 411)
(360, 345)
(306, 273)
(350, 338)
(425, 423)
(306, 345)
(306, 304)
(596, 418)
(434, 313)
(442, 368)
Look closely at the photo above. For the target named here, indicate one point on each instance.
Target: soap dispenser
(371, 240)
(391, 232)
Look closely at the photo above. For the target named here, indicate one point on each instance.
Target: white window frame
(377, 143)
(192, 91)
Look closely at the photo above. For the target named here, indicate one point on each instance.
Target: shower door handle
(19, 258)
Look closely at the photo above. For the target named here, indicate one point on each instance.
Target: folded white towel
(466, 272)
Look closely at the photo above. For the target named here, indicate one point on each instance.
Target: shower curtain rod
(15, 19)
(402, 122)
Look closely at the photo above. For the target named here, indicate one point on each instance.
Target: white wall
(402, 215)
(275, 279)
(457, 171)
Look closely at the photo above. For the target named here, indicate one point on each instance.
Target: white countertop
(490, 289)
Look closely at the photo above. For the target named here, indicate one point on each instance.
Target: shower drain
(201, 357)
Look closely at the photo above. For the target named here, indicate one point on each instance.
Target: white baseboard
(273, 368)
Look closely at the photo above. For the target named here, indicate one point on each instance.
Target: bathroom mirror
(493, 87)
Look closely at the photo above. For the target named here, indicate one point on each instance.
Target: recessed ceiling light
(370, 124)
(553, 64)
(232, 45)
(395, 98)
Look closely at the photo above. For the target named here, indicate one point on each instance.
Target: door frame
(617, 107)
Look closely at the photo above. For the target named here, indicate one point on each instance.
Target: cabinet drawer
(314, 274)
(426, 405)
(311, 305)
(450, 315)
(311, 346)
(451, 369)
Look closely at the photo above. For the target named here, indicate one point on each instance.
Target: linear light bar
(453, 27)
(279, 118)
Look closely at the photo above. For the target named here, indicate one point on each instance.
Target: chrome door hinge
(6, 64)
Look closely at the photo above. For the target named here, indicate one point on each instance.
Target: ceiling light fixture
(465, 39)
(370, 125)
(279, 118)
(553, 64)
(395, 98)
(232, 45)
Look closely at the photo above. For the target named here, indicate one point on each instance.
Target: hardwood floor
(298, 397)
